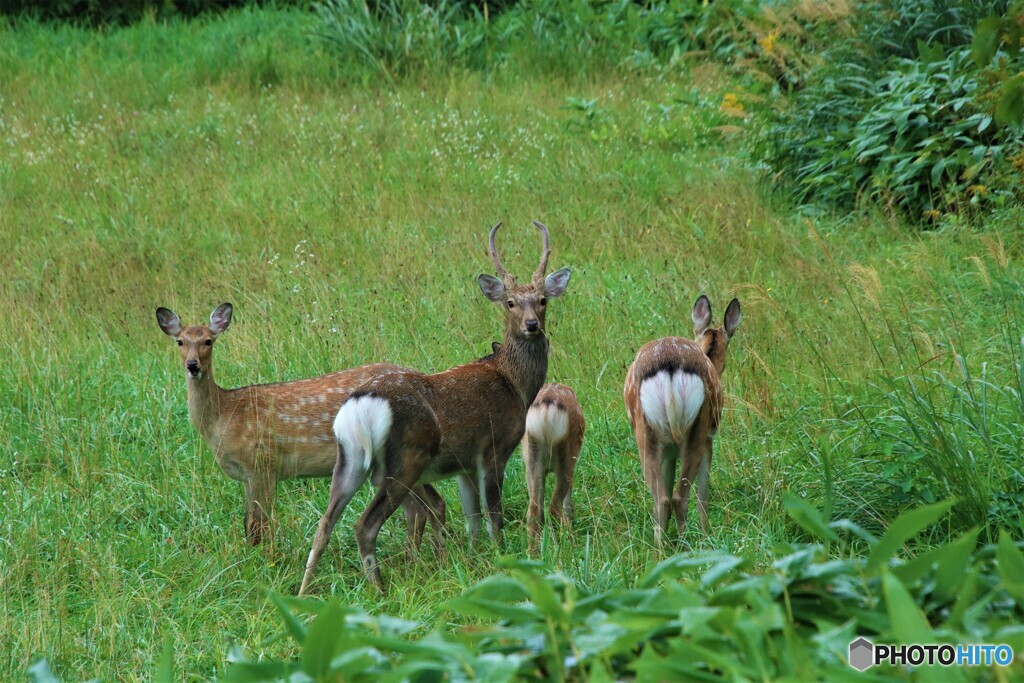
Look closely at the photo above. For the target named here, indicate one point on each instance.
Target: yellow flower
(730, 101)
(977, 190)
(767, 42)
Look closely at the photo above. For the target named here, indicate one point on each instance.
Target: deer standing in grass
(551, 445)
(406, 429)
(264, 433)
(673, 397)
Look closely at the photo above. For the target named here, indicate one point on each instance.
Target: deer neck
(204, 400)
(524, 362)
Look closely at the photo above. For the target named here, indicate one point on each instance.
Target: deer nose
(532, 325)
(192, 365)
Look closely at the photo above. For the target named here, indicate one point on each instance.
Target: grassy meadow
(235, 159)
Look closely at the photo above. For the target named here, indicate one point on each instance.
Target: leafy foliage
(102, 12)
(699, 615)
(934, 134)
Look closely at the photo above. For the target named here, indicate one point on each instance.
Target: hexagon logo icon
(862, 654)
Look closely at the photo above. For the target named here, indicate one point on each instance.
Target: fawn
(268, 432)
(673, 397)
(551, 445)
(405, 429)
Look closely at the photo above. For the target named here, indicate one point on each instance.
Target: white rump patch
(547, 423)
(362, 427)
(671, 403)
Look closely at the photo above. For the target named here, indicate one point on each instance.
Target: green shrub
(917, 141)
(100, 12)
(397, 36)
(695, 616)
(936, 134)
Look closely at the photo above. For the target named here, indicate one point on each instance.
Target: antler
(506, 276)
(542, 269)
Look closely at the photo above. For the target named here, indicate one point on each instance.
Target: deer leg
(565, 469)
(470, 495)
(681, 498)
(703, 479)
(534, 456)
(693, 456)
(391, 494)
(416, 518)
(346, 480)
(260, 492)
(658, 473)
(437, 508)
(493, 481)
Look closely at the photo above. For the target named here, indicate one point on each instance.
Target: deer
(406, 429)
(265, 433)
(673, 395)
(551, 445)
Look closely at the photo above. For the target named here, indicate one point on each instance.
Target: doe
(268, 432)
(673, 397)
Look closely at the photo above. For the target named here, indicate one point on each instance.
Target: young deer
(405, 429)
(674, 400)
(263, 433)
(551, 444)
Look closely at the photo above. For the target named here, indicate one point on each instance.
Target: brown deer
(674, 400)
(405, 429)
(551, 445)
(264, 433)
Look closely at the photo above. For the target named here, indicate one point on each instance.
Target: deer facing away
(403, 428)
(551, 445)
(264, 433)
(673, 397)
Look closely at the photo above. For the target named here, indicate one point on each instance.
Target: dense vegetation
(333, 173)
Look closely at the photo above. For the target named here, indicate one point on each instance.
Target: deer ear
(732, 317)
(556, 283)
(701, 315)
(168, 321)
(492, 287)
(220, 319)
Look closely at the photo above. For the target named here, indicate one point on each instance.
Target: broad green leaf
(675, 565)
(324, 640)
(1010, 562)
(949, 561)
(908, 623)
(808, 517)
(494, 667)
(964, 600)
(165, 668)
(986, 41)
(257, 672)
(906, 526)
(1010, 108)
(295, 627)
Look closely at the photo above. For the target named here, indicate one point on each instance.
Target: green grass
(231, 159)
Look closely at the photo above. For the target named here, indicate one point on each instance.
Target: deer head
(195, 343)
(524, 305)
(714, 341)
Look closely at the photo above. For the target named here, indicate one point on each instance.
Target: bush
(695, 616)
(934, 135)
(101, 12)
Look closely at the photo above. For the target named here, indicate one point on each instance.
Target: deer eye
(543, 301)
(511, 304)
(209, 342)
(180, 343)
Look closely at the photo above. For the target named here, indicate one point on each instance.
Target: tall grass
(185, 164)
